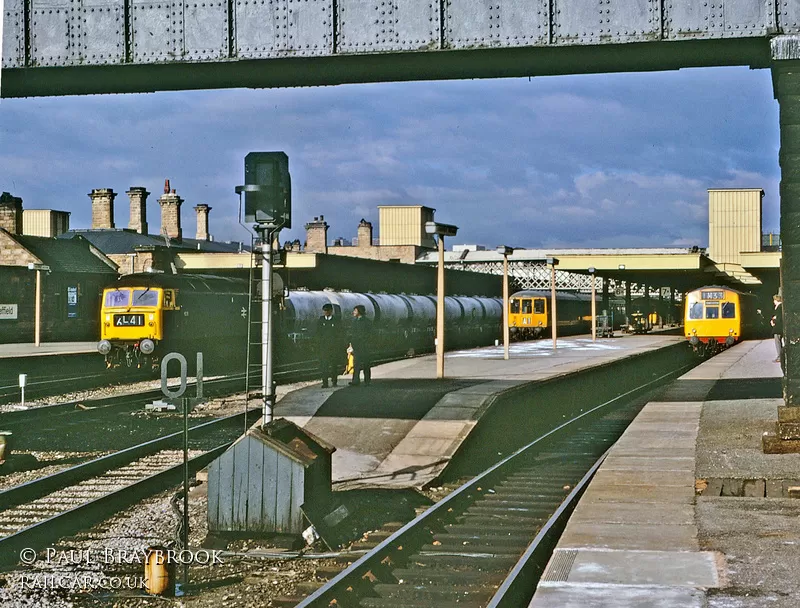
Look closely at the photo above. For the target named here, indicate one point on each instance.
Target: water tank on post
(260, 483)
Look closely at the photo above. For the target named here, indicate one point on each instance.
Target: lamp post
(628, 302)
(441, 231)
(553, 262)
(594, 305)
(37, 329)
(505, 251)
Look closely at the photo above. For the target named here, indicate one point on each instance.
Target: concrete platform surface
(46, 348)
(403, 430)
(644, 535)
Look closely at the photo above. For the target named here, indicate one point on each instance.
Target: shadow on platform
(408, 399)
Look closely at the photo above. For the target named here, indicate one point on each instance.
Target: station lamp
(505, 251)
(553, 262)
(37, 331)
(441, 231)
(594, 304)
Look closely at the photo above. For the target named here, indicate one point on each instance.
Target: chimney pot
(138, 202)
(171, 215)
(102, 208)
(11, 213)
(202, 211)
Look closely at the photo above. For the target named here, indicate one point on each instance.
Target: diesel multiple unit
(717, 317)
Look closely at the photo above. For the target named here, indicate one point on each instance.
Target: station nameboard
(8, 311)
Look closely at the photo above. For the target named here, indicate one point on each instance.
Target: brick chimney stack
(317, 235)
(11, 213)
(171, 213)
(202, 222)
(138, 196)
(102, 208)
(364, 233)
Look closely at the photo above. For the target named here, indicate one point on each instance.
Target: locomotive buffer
(267, 204)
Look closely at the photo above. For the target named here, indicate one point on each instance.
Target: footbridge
(58, 47)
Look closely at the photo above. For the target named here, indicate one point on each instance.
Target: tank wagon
(717, 317)
(145, 316)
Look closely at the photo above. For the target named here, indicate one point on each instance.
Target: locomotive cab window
(145, 297)
(514, 307)
(712, 312)
(117, 298)
(527, 307)
(696, 311)
(538, 306)
(728, 310)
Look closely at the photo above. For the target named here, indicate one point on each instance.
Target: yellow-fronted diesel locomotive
(146, 315)
(717, 317)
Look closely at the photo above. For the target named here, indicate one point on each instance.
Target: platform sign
(72, 302)
(267, 189)
(8, 311)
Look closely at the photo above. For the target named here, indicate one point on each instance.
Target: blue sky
(615, 160)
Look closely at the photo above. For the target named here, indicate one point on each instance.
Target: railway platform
(403, 429)
(24, 350)
(686, 510)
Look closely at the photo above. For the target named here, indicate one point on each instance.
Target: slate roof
(121, 240)
(72, 255)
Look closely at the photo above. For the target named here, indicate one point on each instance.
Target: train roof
(736, 291)
(543, 293)
(198, 282)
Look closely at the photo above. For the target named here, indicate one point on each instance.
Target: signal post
(267, 205)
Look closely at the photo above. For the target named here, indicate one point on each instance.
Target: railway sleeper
(511, 541)
(472, 593)
(493, 529)
(544, 480)
(381, 602)
(527, 515)
(518, 504)
(480, 561)
(519, 495)
(435, 576)
(502, 520)
(490, 549)
(529, 498)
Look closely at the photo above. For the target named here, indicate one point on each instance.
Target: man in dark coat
(360, 339)
(330, 346)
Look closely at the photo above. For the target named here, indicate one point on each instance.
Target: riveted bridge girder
(61, 47)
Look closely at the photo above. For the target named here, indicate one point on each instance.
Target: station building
(64, 277)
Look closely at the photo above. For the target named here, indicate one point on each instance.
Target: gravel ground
(241, 580)
(77, 396)
(33, 465)
(86, 570)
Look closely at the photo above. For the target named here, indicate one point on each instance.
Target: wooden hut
(260, 483)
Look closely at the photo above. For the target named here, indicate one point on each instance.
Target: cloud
(616, 160)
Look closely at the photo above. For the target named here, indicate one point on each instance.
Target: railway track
(38, 512)
(486, 543)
